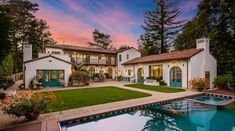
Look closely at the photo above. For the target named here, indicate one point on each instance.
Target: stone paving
(54, 117)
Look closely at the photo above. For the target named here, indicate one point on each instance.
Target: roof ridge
(182, 54)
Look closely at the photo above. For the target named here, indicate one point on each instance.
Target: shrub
(158, 79)
(199, 84)
(162, 83)
(119, 78)
(80, 78)
(28, 104)
(222, 81)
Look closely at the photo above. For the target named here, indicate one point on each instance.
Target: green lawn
(156, 88)
(69, 99)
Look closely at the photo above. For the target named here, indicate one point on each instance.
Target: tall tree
(5, 47)
(161, 24)
(101, 40)
(25, 29)
(39, 36)
(147, 46)
(215, 19)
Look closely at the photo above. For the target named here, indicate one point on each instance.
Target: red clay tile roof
(184, 54)
(80, 48)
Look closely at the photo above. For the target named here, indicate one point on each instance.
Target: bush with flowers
(199, 84)
(28, 104)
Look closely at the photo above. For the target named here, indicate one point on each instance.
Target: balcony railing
(96, 61)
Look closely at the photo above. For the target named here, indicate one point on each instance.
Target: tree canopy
(216, 20)
(100, 40)
(161, 26)
(24, 28)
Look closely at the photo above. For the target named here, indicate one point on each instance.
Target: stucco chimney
(27, 52)
(203, 43)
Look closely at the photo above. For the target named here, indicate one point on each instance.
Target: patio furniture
(151, 82)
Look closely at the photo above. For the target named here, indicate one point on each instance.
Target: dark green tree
(5, 47)
(25, 29)
(215, 19)
(39, 36)
(161, 24)
(123, 47)
(101, 40)
(147, 46)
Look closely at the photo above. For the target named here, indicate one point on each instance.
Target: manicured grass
(69, 99)
(156, 88)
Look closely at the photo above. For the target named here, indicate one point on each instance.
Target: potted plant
(222, 81)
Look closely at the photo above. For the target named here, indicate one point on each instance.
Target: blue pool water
(182, 115)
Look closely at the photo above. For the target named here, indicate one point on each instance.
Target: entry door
(175, 77)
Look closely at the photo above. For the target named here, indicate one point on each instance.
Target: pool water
(182, 115)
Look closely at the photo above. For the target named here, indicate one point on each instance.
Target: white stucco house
(54, 67)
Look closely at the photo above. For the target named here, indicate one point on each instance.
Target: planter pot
(32, 116)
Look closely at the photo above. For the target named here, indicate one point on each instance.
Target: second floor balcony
(97, 61)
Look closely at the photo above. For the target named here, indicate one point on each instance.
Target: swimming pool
(180, 115)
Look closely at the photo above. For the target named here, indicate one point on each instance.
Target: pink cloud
(69, 29)
(189, 5)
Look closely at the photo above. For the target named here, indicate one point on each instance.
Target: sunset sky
(72, 21)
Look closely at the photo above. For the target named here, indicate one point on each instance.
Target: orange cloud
(69, 29)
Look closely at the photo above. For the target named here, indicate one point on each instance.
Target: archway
(175, 77)
(140, 76)
(91, 71)
(110, 73)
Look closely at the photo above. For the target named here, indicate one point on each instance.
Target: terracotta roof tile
(184, 54)
(80, 48)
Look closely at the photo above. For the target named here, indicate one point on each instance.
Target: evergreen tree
(25, 29)
(161, 25)
(215, 19)
(5, 47)
(101, 40)
(147, 46)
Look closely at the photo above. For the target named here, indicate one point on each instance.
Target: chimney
(27, 52)
(203, 43)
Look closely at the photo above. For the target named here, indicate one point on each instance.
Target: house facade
(175, 68)
(54, 67)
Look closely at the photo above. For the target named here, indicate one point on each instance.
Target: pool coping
(76, 120)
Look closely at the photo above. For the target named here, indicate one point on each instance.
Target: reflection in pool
(181, 115)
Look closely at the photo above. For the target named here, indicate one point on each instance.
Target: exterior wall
(50, 50)
(104, 68)
(182, 64)
(48, 63)
(202, 62)
(132, 54)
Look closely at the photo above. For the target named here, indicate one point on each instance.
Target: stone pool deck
(49, 122)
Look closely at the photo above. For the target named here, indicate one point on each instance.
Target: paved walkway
(52, 118)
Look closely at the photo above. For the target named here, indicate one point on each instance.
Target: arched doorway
(175, 77)
(91, 72)
(110, 73)
(140, 75)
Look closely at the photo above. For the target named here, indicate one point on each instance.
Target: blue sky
(72, 21)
